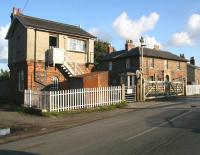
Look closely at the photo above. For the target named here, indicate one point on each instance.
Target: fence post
(123, 92)
(25, 97)
(50, 101)
(30, 99)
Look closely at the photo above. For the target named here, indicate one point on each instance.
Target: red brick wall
(39, 79)
(95, 79)
(159, 71)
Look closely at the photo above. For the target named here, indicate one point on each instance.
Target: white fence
(193, 89)
(74, 98)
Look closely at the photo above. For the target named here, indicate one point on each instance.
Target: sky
(174, 25)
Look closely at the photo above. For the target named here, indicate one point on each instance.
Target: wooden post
(123, 92)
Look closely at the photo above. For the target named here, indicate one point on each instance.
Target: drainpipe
(35, 59)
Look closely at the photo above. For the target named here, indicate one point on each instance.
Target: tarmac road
(171, 129)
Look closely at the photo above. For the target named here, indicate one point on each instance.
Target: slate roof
(136, 52)
(44, 24)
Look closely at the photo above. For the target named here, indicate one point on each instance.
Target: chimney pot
(192, 61)
(156, 47)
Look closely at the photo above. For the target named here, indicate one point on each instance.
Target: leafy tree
(4, 75)
(100, 50)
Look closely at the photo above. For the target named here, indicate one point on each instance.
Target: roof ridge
(47, 20)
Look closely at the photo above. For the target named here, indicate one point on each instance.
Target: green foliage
(100, 50)
(4, 75)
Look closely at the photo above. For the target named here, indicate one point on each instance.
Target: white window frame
(166, 64)
(76, 45)
(55, 83)
(178, 65)
(151, 62)
(110, 65)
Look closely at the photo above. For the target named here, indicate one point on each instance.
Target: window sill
(76, 51)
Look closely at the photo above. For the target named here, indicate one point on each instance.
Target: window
(152, 78)
(20, 80)
(110, 66)
(76, 45)
(179, 65)
(166, 64)
(127, 63)
(53, 41)
(151, 62)
(55, 83)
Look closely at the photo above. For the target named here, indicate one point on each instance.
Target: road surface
(170, 129)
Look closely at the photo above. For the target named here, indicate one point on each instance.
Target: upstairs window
(151, 62)
(76, 45)
(53, 41)
(127, 63)
(178, 65)
(110, 66)
(166, 64)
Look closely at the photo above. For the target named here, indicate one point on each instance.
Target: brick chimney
(192, 61)
(110, 48)
(129, 45)
(15, 11)
(182, 55)
(156, 47)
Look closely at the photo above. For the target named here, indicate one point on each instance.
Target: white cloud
(3, 44)
(191, 35)
(181, 39)
(151, 42)
(193, 23)
(127, 28)
(101, 34)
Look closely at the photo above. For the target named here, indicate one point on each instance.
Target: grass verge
(57, 114)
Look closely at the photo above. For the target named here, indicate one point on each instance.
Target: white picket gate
(193, 89)
(74, 98)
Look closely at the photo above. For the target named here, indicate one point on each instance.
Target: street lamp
(142, 42)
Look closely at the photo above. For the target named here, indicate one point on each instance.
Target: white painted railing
(73, 99)
(193, 89)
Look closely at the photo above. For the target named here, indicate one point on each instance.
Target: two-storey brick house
(157, 65)
(193, 72)
(44, 54)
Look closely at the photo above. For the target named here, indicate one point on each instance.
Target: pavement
(165, 127)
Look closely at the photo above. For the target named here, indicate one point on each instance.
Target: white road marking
(153, 128)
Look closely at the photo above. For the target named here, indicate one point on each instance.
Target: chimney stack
(15, 11)
(110, 48)
(192, 61)
(129, 45)
(182, 55)
(156, 47)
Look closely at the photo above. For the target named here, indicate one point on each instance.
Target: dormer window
(76, 45)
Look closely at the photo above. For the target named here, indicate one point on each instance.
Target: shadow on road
(12, 152)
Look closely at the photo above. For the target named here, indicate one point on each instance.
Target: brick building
(193, 72)
(157, 65)
(44, 55)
